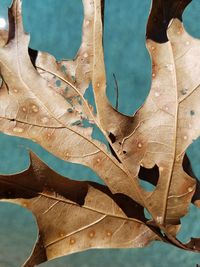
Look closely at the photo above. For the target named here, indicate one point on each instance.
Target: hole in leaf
(112, 137)
(33, 55)
(58, 83)
(187, 167)
(148, 177)
(89, 96)
(114, 154)
(190, 18)
(192, 112)
(147, 215)
(147, 186)
(97, 134)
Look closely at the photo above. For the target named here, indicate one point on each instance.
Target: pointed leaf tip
(15, 20)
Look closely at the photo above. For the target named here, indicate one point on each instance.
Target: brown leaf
(149, 146)
(73, 216)
(76, 72)
(161, 130)
(3, 37)
(28, 110)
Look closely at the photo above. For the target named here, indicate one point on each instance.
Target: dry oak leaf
(74, 216)
(30, 108)
(162, 129)
(152, 137)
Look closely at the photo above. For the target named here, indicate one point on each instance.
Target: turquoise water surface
(55, 27)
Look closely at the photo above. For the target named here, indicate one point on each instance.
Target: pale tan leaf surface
(59, 80)
(185, 50)
(28, 110)
(184, 69)
(3, 37)
(73, 216)
(149, 146)
(153, 137)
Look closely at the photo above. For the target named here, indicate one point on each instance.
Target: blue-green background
(55, 27)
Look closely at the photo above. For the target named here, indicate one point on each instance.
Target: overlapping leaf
(74, 216)
(43, 100)
(32, 109)
(159, 133)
